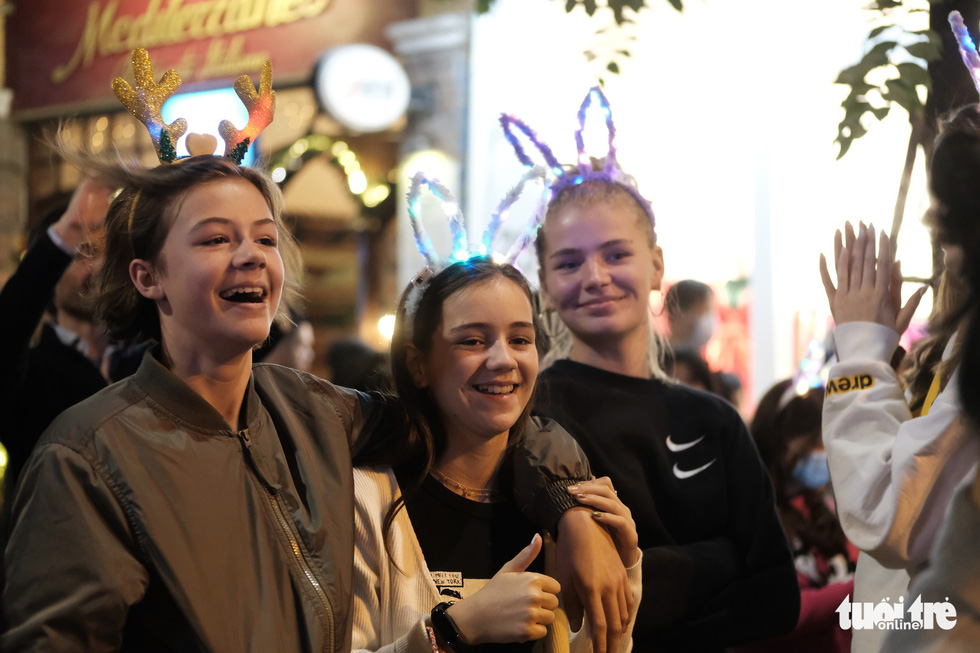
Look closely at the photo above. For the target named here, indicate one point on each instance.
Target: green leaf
(625, 53)
(590, 6)
(878, 30)
(875, 57)
(676, 4)
(929, 34)
(862, 88)
(852, 75)
(851, 128)
(903, 94)
(617, 13)
(924, 50)
(878, 54)
(914, 74)
(569, 5)
(613, 67)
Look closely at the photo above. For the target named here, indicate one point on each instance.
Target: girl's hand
(869, 286)
(611, 512)
(514, 606)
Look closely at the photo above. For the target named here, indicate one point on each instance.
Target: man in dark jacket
(64, 366)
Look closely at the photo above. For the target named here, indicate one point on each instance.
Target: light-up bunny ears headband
(585, 170)
(146, 99)
(462, 248)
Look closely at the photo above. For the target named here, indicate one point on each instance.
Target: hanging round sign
(362, 86)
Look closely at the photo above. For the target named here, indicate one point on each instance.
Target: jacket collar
(182, 402)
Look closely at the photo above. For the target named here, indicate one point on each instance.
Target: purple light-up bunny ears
(586, 168)
(968, 49)
(462, 248)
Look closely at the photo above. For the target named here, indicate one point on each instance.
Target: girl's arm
(613, 514)
(893, 474)
(393, 595)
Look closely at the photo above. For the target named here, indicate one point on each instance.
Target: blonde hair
(585, 194)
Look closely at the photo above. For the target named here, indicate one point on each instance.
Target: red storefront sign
(63, 54)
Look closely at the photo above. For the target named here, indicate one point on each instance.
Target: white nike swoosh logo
(680, 473)
(673, 446)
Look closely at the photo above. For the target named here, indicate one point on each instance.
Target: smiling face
(482, 364)
(218, 280)
(598, 267)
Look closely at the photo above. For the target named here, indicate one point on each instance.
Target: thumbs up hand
(514, 606)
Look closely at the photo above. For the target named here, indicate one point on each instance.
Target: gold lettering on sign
(106, 34)
(230, 61)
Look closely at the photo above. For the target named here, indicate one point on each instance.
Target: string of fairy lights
(288, 161)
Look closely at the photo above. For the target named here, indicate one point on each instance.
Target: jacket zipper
(299, 553)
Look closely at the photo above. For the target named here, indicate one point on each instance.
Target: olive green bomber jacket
(142, 523)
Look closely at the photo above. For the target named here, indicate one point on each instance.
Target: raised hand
(85, 214)
(869, 284)
(514, 606)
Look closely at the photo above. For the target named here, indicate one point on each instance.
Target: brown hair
(425, 436)
(952, 217)
(926, 355)
(784, 431)
(139, 220)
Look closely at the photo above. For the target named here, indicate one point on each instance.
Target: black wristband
(446, 627)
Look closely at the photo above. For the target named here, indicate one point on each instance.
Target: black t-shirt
(465, 542)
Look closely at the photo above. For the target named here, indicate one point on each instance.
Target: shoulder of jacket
(293, 387)
(78, 426)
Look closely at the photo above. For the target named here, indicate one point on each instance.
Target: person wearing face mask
(786, 429)
(690, 313)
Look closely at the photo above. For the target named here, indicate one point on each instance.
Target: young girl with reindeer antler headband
(717, 570)
(205, 504)
(437, 532)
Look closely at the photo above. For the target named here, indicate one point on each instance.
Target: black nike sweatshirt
(717, 570)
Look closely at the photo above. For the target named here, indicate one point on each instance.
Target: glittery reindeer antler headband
(146, 98)
(463, 248)
(968, 50)
(585, 170)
